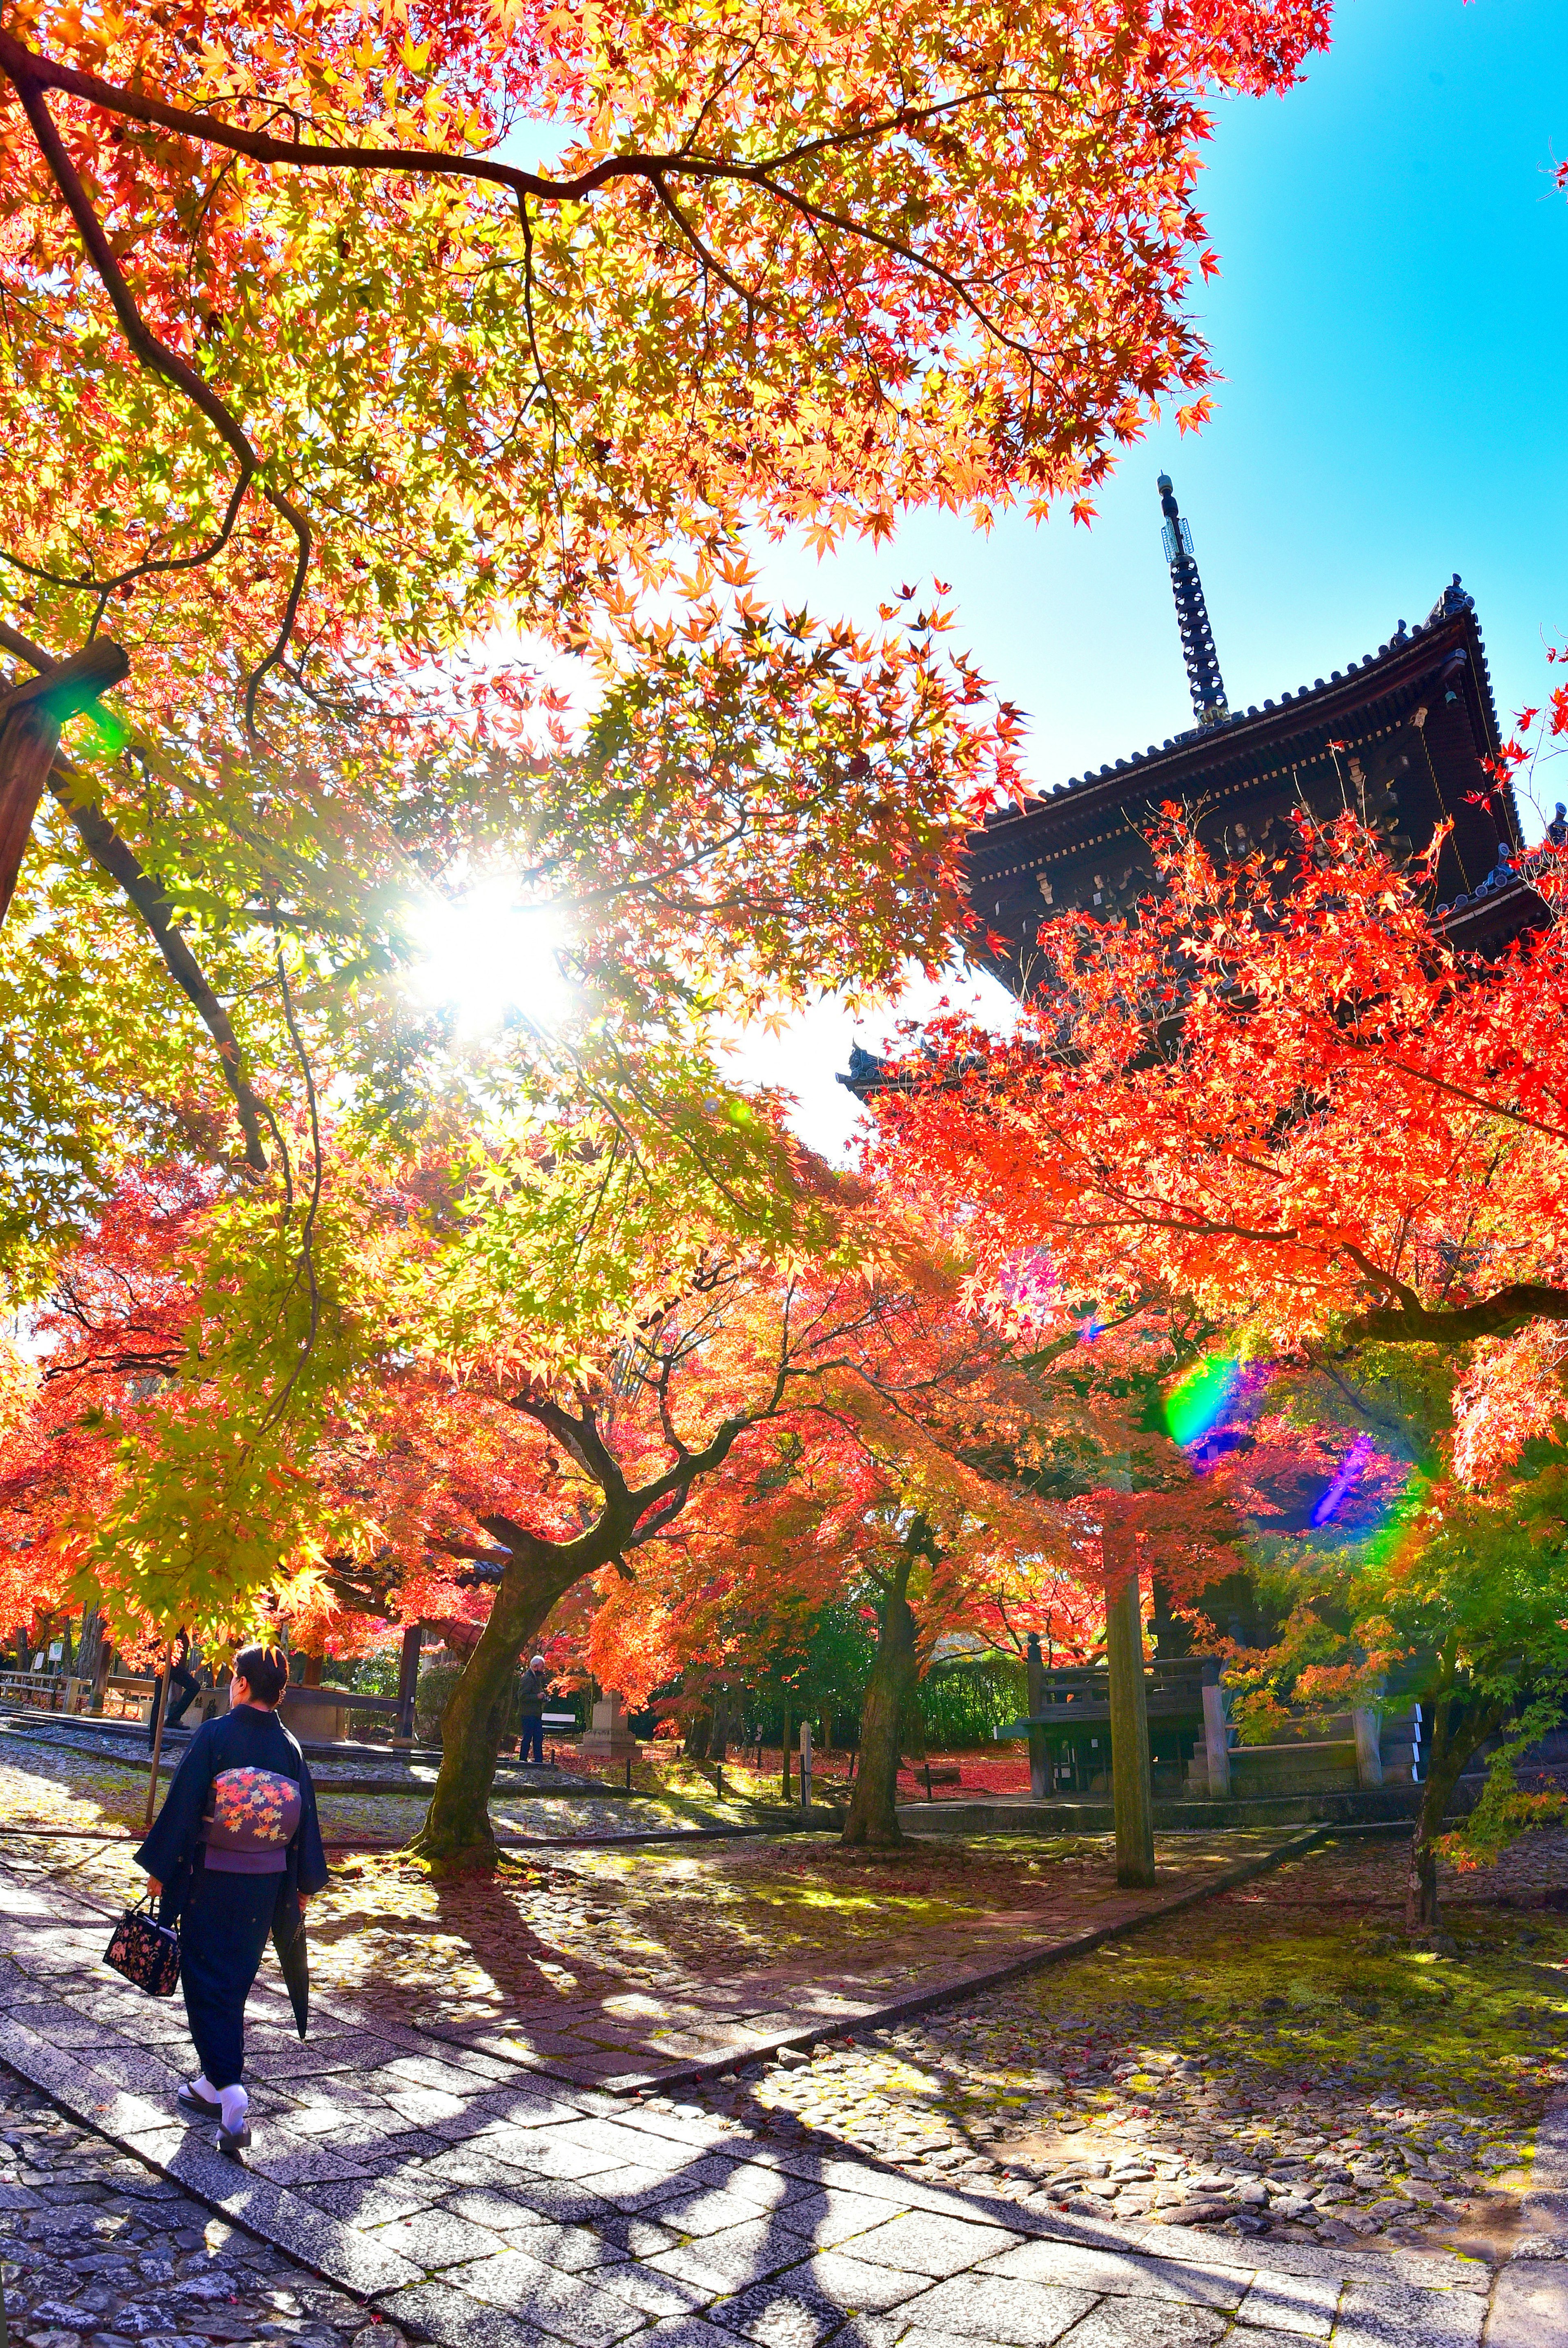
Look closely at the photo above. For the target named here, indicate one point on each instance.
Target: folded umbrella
(293, 1956)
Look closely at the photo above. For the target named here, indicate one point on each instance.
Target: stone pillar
(1039, 1751)
(1132, 1777)
(607, 1737)
(1216, 1735)
(1367, 1720)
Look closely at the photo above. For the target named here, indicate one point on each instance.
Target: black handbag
(146, 1951)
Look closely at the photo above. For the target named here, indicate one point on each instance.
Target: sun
(484, 957)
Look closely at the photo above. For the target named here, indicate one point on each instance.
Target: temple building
(1401, 736)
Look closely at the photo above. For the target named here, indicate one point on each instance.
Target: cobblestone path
(468, 2201)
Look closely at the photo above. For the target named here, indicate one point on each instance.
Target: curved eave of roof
(1254, 736)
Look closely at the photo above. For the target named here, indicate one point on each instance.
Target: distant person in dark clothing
(183, 1684)
(234, 1852)
(536, 1686)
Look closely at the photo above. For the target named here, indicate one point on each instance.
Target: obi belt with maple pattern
(251, 1822)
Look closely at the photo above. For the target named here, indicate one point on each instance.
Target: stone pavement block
(1080, 2269)
(639, 2236)
(1149, 2323)
(544, 2156)
(922, 2243)
(366, 2202)
(520, 2111)
(732, 2260)
(705, 2213)
(432, 2313)
(686, 2331)
(1530, 2305)
(426, 2071)
(580, 2250)
(827, 2219)
(858, 2286)
(272, 2155)
(893, 2331)
(470, 2164)
(572, 2309)
(647, 2190)
(654, 2293)
(1297, 2303)
(434, 2239)
(788, 2313)
(424, 2107)
(754, 2180)
(502, 2211)
(1395, 2316)
(991, 2307)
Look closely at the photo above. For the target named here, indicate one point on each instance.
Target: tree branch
(1410, 1323)
(22, 67)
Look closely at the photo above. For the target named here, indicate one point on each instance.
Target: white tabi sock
(236, 2103)
(203, 2085)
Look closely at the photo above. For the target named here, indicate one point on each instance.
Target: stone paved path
(477, 2202)
(97, 2246)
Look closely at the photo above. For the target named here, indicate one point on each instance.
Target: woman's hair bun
(265, 1669)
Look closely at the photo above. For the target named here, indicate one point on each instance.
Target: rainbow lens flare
(1194, 1407)
(1346, 1477)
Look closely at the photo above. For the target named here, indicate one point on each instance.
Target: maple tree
(359, 434)
(1280, 1100)
(979, 1482)
(304, 363)
(896, 1481)
(1279, 1093)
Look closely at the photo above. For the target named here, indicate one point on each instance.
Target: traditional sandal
(197, 2107)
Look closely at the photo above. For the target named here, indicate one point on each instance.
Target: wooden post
(1132, 1779)
(31, 716)
(159, 1706)
(1039, 1751)
(1367, 1720)
(805, 1765)
(408, 1681)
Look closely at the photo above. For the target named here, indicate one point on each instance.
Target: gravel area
(1278, 2062)
(98, 2248)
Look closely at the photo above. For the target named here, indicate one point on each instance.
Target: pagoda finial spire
(1203, 679)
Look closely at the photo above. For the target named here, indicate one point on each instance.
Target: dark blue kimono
(235, 1843)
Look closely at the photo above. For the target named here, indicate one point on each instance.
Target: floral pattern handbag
(146, 1951)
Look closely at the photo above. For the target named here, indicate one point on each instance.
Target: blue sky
(1392, 323)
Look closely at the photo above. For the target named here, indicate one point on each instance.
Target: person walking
(234, 1853)
(536, 1686)
(183, 1684)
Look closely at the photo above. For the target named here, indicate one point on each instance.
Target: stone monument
(607, 1737)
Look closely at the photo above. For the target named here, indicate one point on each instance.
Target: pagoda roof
(1255, 746)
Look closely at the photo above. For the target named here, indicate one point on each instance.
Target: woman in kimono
(235, 1852)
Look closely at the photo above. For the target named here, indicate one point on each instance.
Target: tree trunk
(784, 1777)
(1458, 1730)
(719, 1732)
(873, 1811)
(31, 716)
(457, 1832)
(90, 1643)
(1131, 1782)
